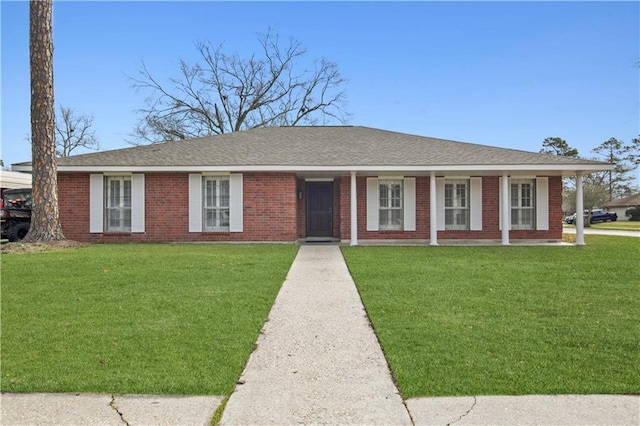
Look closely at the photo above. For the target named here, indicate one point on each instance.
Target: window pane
(396, 195)
(224, 193)
(448, 217)
(224, 218)
(448, 195)
(127, 195)
(514, 194)
(384, 218)
(396, 216)
(461, 195)
(114, 197)
(384, 195)
(527, 217)
(210, 193)
(515, 216)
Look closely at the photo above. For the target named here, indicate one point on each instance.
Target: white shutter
(137, 202)
(235, 203)
(195, 202)
(409, 204)
(96, 203)
(373, 204)
(475, 222)
(440, 203)
(542, 204)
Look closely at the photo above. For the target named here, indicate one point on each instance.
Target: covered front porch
(336, 207)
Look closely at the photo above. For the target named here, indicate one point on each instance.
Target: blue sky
(506, 74)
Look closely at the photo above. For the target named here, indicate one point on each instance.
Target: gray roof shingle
(316, 146)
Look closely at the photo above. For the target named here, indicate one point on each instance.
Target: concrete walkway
(318, 360)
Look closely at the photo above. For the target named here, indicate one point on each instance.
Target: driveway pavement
(318, 361)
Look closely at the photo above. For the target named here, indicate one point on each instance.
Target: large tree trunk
(45, 216)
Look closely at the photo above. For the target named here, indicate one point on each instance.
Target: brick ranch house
(338, 183)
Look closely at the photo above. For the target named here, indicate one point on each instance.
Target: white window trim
(456, 202)
(120, 209)
(97, 203)
(408, 201)
(236, 215)
(391, 226)
(533, 208)
(219, 208)
(475, 202)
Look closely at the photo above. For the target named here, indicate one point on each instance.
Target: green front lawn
(146, 319)
(506, 320)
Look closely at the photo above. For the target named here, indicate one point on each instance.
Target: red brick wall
(269, 210)
(73, 202)
(273, 212)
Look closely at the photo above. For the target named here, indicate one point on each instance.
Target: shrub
(633, 213)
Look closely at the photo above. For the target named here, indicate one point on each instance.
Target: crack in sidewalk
(475, 401)
(113, 405)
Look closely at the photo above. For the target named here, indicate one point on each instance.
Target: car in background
(597, 215)
(15, 213)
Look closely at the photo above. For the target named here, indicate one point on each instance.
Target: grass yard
(145, 319)
(506, 320)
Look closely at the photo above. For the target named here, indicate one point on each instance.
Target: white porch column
(579, 210)
(354, 211)
(433, 211)
(504, 208)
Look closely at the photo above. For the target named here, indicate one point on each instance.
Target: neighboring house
(621, 205)
(342, 183)
(14, 180)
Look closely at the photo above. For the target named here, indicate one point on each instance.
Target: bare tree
(45, 216)
(226, 93)
(74, 131)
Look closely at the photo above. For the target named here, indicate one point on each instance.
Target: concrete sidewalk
(31, 409)
(593, 231)
(317, 360)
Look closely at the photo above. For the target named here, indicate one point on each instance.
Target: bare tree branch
(225, 93)
(74, 131)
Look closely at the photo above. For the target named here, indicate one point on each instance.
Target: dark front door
(319, 209)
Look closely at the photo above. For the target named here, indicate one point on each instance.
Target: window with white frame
(118, 203)
(523, 209)
(215, 203)
(456, 203)
(391, 214)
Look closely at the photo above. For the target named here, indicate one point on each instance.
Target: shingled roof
(322, 147)
(631, 200)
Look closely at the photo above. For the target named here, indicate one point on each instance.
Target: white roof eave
(564, 169)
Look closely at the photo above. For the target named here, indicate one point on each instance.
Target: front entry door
(320, 209)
